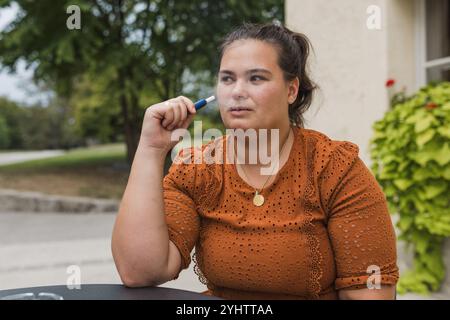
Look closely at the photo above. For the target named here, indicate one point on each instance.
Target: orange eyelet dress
(324, 226)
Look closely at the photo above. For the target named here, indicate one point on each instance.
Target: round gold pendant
(258, 199)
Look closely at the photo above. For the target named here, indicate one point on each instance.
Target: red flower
(431, 106)
(390, 83)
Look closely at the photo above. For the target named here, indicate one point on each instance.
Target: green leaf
(444, 131)
(403, 184)
(405, 164)
(446, 172)
(388, 171)
(435, 188)
(423, 123)
(419, 204)
(420, 241)
(389, 190)
(415, 117)
(392, 208)
(441, 154)
(411, 282)
(424, 137)
(390, 158)
(405, 222)
(443, 201)
(422, 173)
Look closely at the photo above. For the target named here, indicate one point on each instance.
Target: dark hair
(293, 50)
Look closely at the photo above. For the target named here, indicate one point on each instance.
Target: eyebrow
(248, 71)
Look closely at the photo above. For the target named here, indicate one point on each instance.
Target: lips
(239, 108)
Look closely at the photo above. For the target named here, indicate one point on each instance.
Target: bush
(12, 114)
(38, 127)
(410, 150)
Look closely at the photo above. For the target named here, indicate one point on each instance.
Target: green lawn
(103, 154)
(99, 171)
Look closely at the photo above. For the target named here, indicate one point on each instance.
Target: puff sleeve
(359, 224)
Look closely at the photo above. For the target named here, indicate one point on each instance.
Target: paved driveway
(20, 156)
(37, 248)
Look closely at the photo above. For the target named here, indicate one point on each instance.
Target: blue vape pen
(201, 103)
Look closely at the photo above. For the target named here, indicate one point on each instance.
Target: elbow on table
(135, 277)
(133, 281)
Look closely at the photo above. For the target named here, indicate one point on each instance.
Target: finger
(168, 116)
(184, 112)
(185, 124)
(190, 104)
(176, 115)
(190, 108)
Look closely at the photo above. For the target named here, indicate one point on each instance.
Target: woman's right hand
(161, 119)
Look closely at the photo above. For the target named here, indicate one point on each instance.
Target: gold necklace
(258, 199)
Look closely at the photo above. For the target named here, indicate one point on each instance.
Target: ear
(293, 90)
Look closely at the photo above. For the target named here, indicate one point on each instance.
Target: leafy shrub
(410, 150)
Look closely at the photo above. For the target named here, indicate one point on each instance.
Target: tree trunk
(129, 125)
(131, 138)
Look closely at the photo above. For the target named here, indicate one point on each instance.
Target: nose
(239, 91)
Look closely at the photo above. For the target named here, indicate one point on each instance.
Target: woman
(316, 228)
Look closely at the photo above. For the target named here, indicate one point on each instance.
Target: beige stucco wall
(351, 62)
(401, 40)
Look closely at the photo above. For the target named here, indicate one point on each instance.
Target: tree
(4, 134)
(13, 115)
(97, 114)
(37, 126)
(143, 46)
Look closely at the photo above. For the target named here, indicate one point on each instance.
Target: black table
(110, 292)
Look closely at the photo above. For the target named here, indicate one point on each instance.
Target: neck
(267, 151)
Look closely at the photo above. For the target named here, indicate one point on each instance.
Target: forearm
(140, 240)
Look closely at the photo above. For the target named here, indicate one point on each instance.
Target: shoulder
(324, 153)
(319, 140)
(201, 155)
(330, 163)
(196, 169)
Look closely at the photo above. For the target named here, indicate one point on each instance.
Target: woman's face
(250, 78)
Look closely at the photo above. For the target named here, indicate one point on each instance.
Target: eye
(256, 78)
(225, 79)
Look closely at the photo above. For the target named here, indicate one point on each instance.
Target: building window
(433, 41)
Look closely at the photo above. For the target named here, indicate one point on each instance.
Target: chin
(238, 124)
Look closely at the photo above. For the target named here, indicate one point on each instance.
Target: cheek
(221, 94)
(268, 96)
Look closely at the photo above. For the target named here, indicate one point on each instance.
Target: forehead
(249, 54)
